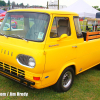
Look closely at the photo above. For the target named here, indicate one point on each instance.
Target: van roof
(49, 11)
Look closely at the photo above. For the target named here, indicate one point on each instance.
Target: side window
(61, 25)
(53, 32)
(77, 27)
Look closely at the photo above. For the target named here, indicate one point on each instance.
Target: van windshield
(25, 25)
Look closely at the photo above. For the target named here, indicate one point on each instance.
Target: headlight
(31, 62)
(26, 61)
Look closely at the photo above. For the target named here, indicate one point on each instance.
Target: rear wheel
(65, 81)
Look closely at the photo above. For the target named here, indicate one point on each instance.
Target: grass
(20, 23)
(86, 86)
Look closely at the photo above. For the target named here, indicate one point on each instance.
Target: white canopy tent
(82, 8)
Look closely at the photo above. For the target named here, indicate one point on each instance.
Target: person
(14, 24)
(95, 27)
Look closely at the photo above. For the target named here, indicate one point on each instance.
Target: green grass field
(86, 87)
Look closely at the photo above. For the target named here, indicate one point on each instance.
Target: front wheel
(65, 81)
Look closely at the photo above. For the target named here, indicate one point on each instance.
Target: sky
(61, 2)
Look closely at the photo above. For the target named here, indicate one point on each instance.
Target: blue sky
(62, 2)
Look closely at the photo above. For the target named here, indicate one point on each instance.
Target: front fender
(65, 66)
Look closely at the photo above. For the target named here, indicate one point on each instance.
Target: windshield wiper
(1, 34)
(4, 35)
(22, 38)
(25, 39)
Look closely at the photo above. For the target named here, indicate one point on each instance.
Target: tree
(2, 3)
(27, 5)
(5, 9)
(21, 4)
(8, 2)
(96, 7)
(13, 3)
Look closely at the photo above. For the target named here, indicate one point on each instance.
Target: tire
(65, 81)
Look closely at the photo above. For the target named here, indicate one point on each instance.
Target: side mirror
(62, 37)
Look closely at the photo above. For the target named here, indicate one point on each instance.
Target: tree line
(3, 3)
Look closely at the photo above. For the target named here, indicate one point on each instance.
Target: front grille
(7, 67)
(11, 69)
(21, 73)
(1, 66)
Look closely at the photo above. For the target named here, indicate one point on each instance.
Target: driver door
(59, 52)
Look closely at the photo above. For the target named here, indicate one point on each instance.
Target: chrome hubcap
(67, 79)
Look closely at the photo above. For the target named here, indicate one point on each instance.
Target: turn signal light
(36, 78)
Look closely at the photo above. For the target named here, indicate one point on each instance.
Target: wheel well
(73, 66)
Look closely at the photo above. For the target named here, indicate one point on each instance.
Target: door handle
(74, 46)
